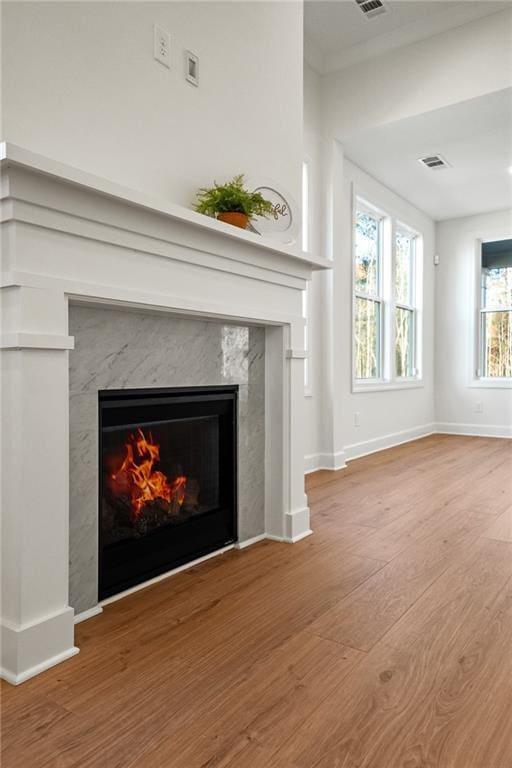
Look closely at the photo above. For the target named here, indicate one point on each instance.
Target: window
(387, 290)
(496, 310)
(367, 300)
(405, 312)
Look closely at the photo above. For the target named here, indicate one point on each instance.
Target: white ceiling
(474, 136)
(337, 34)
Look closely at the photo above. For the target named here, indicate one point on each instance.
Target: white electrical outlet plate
(191, 68)
(479, 407)
(162, 46)
(357, 419)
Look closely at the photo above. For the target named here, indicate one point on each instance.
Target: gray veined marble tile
(119, 349)
(83, 519)
(83, 411)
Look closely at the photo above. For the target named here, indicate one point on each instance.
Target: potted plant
(232, 203)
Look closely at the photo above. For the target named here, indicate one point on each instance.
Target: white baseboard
(296, 524)
(288, 539)
(250, 542)
(329, 461)
(97, 609)
(473, 430)
(88, 614)
(13, 679)
(31, 648)
(299, 537)
(317, 461)
(84, 615)
(364, 448)
(165, 575)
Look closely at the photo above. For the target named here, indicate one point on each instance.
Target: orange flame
(141, 481)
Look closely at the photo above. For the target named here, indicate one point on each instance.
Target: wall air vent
(371, 8)
(434, 162)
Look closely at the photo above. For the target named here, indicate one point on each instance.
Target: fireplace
(168, 480)
(198, 303)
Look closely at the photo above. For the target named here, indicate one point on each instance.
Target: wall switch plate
(191, 68)
(357, 419)
(479, 407)
(162, 45)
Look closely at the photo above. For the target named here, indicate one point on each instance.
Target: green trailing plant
(232, 197)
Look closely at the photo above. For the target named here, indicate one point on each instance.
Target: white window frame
(378, 297)
(479, 380)
(415, 297)
(390, 224)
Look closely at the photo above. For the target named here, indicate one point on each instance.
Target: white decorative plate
(283, 224)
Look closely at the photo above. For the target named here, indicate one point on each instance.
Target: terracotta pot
(235, 218)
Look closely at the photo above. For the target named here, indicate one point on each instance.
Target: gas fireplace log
(191, 500)
(174, 506)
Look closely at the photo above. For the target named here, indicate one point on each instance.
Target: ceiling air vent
(434, 162)
(371, 8)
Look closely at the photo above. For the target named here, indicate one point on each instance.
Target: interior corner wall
(463, 404)
(391, 416)
(313, 155)
(386, 417)
(80, 85)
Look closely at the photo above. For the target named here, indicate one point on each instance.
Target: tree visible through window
(368, 303)
(496, 310)
(404, 300)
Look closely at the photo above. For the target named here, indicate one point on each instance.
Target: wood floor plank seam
(250, 660)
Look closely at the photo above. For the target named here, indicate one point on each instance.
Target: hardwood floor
(382, 641)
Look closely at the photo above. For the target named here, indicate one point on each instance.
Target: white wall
(80, 85)
(457, 393)
(386, 417)
(448, 68)
(313, 154)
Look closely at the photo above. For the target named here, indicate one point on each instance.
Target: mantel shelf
(13, 155)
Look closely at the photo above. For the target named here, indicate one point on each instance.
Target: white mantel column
(37, 622)
(297, 523)
(286, 504)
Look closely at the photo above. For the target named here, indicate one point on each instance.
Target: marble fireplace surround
(70, 239)
(120, 349)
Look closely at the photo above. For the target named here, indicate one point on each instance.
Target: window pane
(497, 343)
(404, 343)
(403, 268)
(367, 339)
(367, 253)
(497, 288)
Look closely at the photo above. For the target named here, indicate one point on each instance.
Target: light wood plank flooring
(382, 641)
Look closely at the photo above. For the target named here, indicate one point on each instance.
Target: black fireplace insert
(168, 480)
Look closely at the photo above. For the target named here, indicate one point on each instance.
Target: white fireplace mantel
(70, 237)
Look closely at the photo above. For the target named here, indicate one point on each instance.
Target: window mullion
(368, 296)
